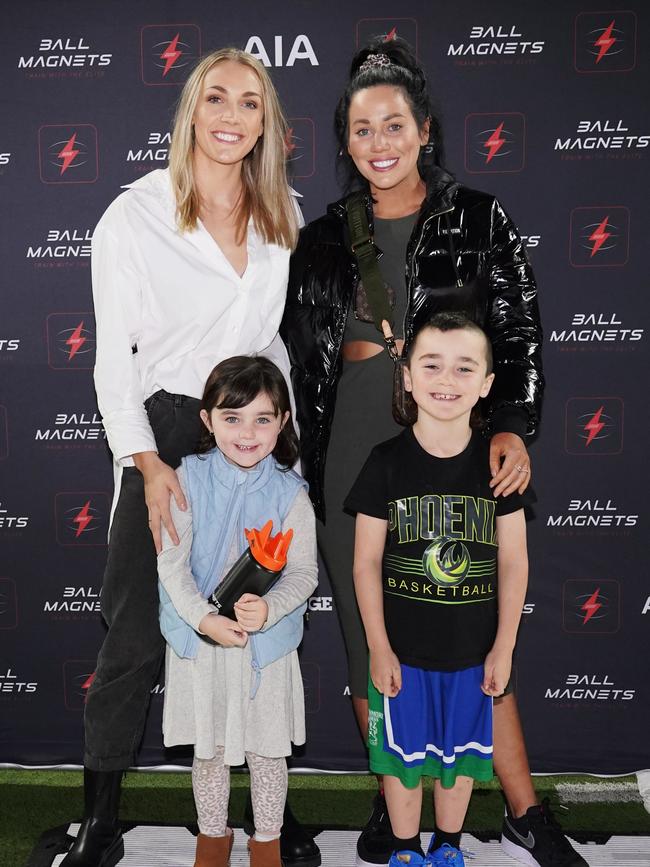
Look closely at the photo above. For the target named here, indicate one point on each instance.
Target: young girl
(222, 694)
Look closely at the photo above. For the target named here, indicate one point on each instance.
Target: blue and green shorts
(438, 725)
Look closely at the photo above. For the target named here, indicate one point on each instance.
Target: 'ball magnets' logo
(446, 561)
(68, 153)
(495, 143)
(591, 606)
(167, 52)
(387, 29)
(81, 518)
(71, 341)
(594, 426)
(599, 237)
(605, 42)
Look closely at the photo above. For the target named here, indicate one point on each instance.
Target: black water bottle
(256, 571)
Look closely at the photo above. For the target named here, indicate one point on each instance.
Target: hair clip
(375, 61)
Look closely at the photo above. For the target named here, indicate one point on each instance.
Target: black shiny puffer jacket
(465, 254)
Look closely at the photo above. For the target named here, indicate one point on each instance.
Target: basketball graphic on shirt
(446, 561)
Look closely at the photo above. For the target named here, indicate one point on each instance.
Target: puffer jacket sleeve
(320, 281)
(514, 327)
(297, 332)
(296, 328)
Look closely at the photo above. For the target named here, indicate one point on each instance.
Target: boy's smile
(447, 373)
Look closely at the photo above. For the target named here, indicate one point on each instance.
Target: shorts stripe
(484, 749)
(439, 724)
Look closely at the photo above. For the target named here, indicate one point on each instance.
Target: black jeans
(132, 652)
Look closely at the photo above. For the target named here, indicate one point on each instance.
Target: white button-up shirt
(179, 300)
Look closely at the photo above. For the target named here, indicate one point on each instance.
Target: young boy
(440, 630)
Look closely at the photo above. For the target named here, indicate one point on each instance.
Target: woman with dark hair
(439, 246)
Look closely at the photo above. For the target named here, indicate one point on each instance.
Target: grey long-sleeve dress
(207, 699)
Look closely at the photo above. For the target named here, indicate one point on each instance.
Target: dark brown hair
(453, 322)
(236, 382)
(402, 71)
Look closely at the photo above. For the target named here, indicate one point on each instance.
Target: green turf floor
(33, 801)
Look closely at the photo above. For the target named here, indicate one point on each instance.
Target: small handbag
(377, 296)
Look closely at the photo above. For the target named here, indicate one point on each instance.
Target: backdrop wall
(546, 105)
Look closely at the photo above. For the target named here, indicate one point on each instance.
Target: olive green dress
(362, 418)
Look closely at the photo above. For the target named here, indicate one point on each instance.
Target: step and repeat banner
(545, 105)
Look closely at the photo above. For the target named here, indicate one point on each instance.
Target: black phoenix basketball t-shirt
(440, 558)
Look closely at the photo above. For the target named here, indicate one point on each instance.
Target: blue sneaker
(406, 856)
(445, 856)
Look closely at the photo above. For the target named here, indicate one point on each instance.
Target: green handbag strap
(363, 247)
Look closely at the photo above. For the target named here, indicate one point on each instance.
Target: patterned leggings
(211, 785)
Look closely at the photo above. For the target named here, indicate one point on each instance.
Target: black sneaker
(375, 845)
(538, 840)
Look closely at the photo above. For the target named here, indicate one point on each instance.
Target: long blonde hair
(265, 194)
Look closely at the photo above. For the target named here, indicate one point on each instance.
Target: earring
(428, 154)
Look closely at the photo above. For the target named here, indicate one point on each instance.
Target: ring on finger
(521, 469)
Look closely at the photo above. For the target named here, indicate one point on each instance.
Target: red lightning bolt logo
(75, 341)
(594, 426)
(494, 143)
(67, 153)
(82, 518)
(591, 606)
(599, 236)
(170, 55)
(391, 35)
(605, 41)
(87, 684)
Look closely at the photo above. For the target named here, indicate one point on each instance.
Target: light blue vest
(225, 500)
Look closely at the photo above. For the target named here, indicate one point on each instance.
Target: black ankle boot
(99, 842)
(297, 846)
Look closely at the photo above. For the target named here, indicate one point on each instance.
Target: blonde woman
(189, 266)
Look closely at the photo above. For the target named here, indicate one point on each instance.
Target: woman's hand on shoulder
(223, 630)
(160, 482)
(509, 464)
(251, 612)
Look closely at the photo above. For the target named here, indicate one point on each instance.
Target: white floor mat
(151, 846)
